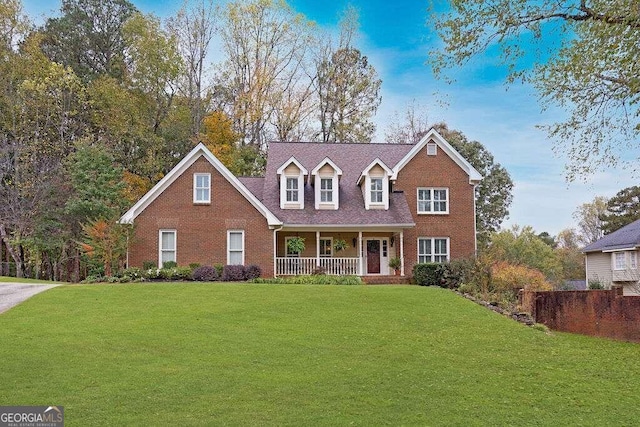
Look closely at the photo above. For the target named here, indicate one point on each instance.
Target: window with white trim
(292, 189)
(433, 249)
(326, 247)
(201, 188)
(326, 190)
(167, 247)
(376, 190)
(433, 200)
(235, 247)
(619, 261)
(623, 260)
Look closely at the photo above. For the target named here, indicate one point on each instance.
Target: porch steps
(386, 280)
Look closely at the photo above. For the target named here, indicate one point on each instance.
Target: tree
(194, 28)
(97, 184)
(493, 194)
(409, 127)
(524, 247)
(265, 44)
(581, 55)
(588, 215)
(14, 25)
(107, 242)
(347, 87)
(88, 36)
(569, 254)
(41, 115)
(153, 63)
(622, 209)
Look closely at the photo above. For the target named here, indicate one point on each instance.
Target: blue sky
(396, 38)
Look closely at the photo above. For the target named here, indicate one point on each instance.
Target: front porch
(362, 253)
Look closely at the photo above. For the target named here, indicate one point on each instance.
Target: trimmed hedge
(428, 274)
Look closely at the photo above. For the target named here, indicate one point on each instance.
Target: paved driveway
(12, 294)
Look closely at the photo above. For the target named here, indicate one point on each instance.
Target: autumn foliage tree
(582, 55)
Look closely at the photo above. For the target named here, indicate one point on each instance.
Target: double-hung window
(433, 200)
(376, 190)
(168, 247)
(326, 190)
(292, 189)
(235, 247)
(433, 249)
(202, 188)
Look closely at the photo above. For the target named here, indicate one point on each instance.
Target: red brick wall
(202, 229)
(458, 225)
(604, 313)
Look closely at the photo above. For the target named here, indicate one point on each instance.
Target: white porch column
(360, 260)
(402, 252)
(275, 252)
(317, 248)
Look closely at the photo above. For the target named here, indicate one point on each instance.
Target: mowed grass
(239, 354)
(7, 279)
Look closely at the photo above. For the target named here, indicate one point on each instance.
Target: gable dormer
(374, 183)
(326, 180)
(291, 175)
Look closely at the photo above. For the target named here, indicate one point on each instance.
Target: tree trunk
(11, 250)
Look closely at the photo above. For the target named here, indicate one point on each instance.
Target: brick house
(356, 206)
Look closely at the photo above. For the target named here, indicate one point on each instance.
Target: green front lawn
(211, 354)
(7, 279)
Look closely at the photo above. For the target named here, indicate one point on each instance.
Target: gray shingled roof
(352, 159)
(626, 237)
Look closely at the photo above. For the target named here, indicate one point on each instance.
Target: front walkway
(12, 294)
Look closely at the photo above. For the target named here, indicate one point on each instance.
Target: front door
(373, 256)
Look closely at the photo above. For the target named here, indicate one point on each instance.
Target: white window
(326, 190)
(633, 260)
(167, 247)
(432, 149)
(202, 188)
(376, 190)
(235, 247)
(619, 261)
(292, 189)
(433, 249)
(433, 200)
(326, 247)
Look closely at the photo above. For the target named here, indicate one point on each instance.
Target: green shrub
(132, 274)
(595, 284)
(194, 265)
(181, 273)
(428, 274)
(457, 272)
(219, 268)
(169, 264)
(148, 265)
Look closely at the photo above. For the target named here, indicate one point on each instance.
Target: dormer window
(374, 183)
(376, 190)
(326, 190)
(292, 189)
(326, 177)
(291, 175)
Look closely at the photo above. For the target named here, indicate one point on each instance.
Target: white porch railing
(304, 266)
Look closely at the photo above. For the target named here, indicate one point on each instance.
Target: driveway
(12, 294)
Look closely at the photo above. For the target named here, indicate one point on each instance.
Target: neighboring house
(613, 260)
(415, 202)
